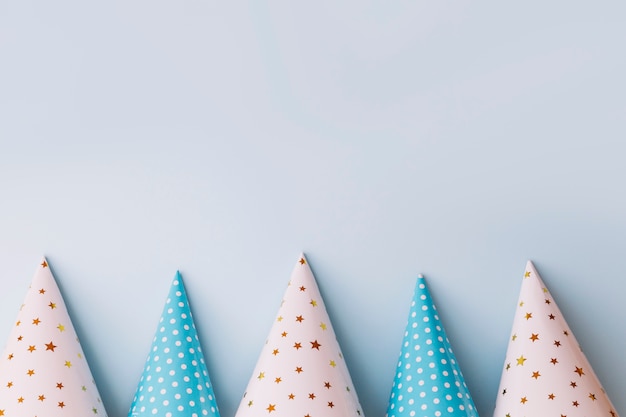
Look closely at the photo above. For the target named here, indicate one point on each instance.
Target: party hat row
(301, 371)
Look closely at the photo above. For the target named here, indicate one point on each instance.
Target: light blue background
(383, 139)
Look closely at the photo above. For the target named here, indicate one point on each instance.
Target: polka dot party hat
(301, 371)
(545, 372)
(175, 380)
(43, 370)
(428, 380)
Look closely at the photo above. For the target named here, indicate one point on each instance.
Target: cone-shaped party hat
(175, 380)
(43, 371)
(301, 371)
(545, 371)
(428, 381)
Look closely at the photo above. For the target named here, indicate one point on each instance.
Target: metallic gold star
(9, 384)
(275, 352)
(592, 396)
(36, 321)
(278, 380)
(573, 384)
(548, 301)
(31, 348)
(302, 288)
(323, 325)
(50, 346)
(313, 303)
(250, 403)
(68, 364)
(20, 400)
(271, 407)
(526, 274)
(315, 345)
(312, 395)
(61, 404)
(521, 360)
(41, 397)
(284, 334)
(61, 327)
(579, 371)
(44, 264)
(327, 385)
(330, 404)
(297, 345)
(30, 372)
(523, 400)
(95, 410)
(261, 375)
(10, 356)
(292, 396)
(52, 305)
(529, 316)
(534, 337)
(536, 375)
(551, 316)
(554, 361)
(332, 363)
(279, 318)
(59, 385)
(557, 343)
(42, 291)
(302, 261)
(298, 369)
(514, 337)
(299, 319)
(575, 403)
(551, 396)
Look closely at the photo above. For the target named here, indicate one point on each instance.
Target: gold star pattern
(271, 407)
(561, 379)
(297, 355)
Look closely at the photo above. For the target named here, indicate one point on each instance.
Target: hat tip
(420, 276)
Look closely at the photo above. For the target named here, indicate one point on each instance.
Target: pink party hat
(301, 371)
(545, 371)
(43, 370)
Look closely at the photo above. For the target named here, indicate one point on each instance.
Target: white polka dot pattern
(428, 380)
(175, 380)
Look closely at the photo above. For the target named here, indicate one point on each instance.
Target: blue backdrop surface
(453, 139)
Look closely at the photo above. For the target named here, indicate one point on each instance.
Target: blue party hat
(428, 381)
(175, 380)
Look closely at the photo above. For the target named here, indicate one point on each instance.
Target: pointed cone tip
(420, 276)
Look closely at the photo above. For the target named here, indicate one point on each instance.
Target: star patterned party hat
(43, 371)
(545, 372)
(301, 371)
(428, 381)
(175, 380)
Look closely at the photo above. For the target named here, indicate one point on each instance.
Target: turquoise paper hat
(175, 380)
(428, 381)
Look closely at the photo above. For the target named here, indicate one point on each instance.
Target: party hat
(175, 380)
(428, 379)
(301, 371)
(545, 371)
(43, 371)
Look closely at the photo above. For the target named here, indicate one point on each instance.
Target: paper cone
(301, 371)
(545, 372)
(428, 381)
(175, 380)
(43, 371)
